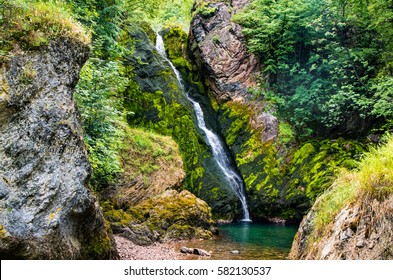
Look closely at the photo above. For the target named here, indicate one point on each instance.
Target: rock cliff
(46, 208)
(362, 230)
(218, 47)
(158, 103)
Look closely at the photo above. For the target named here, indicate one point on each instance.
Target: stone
(46, 208)
(269, 126)
(235, 252)
(360, 243)
(186, 250)
(170, 216)
(201, 252)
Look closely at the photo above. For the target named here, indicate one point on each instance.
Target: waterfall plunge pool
(254, 241)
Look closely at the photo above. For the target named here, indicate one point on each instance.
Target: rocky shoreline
(158, 251)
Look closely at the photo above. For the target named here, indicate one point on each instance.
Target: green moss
(97, 246)
(28, 74)
(204, 9)
(286, 134)
(149, 32)
(170, 215)
(115, 216)
(371, 180)
(216, 39)
(176, 42)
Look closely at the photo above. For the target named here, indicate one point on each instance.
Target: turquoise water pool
(254, 241)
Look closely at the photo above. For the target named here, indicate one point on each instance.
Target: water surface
(254, 241)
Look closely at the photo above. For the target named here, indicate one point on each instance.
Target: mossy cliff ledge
(46, 208)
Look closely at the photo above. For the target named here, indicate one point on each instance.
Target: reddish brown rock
(219, 50)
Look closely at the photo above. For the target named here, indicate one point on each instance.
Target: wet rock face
(220, 51)
(359, 231)
(46, 210)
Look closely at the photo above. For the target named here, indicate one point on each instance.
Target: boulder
(46, 208)
(201, 252)
(169, 216)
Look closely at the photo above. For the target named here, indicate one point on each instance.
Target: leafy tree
(322, 58)
(99, 96)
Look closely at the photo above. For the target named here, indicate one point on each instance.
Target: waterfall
(231, 176)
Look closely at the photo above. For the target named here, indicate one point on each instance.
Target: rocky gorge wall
(46, 208)
(282, 176)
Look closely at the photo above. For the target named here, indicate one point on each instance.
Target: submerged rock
(201, 252)
(46, 208)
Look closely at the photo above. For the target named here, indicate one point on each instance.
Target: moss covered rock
(171, 215)
(282, 177)
(353, 218)
(176, 44)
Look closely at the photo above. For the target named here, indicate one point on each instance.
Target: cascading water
(232, 177)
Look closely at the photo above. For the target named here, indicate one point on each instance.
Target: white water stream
(231, 176)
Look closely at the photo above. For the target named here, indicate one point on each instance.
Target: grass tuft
(373, 178)
(33, 23)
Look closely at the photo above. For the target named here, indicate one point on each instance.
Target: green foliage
(383, 96)
(174, 13)
(99, 98)
(273, 28)
(31, 24)
(322, 60)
